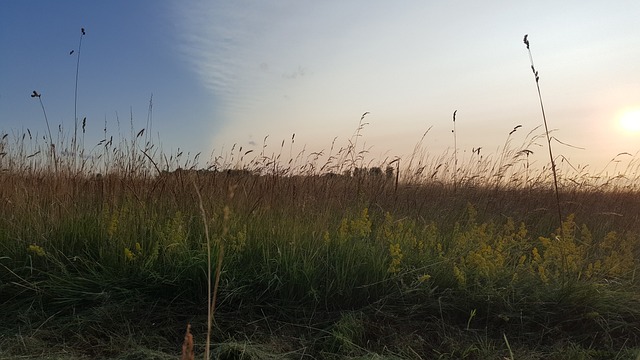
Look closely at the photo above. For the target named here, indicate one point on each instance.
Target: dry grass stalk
(546, 130)
(455, 153)
(187, 345)
(212, 294)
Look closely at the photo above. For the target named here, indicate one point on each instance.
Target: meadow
(112, 252)
(121, 250)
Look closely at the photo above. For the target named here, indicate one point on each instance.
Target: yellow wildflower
(129, 255)
(396, 258)
(37, 250)
(459, 275)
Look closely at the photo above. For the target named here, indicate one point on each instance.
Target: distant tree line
(372, 172)
(358, 172)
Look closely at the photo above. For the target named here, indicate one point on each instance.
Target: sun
(630, 121)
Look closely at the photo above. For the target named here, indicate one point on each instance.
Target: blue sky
(233, 72)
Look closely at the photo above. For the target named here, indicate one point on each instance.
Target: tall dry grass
(305, 235)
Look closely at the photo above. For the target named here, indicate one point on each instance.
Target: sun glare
(630, 121)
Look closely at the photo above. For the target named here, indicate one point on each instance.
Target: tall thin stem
(354, 144)
(455, 153)
(52, 146)
(212, 294)
(546, 130)
(75, 102)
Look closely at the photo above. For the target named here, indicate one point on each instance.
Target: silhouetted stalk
(149, 134)
(553, 163)
(52, 146)
(354, 156)
(74, 146)
(546, 130)
(455, 153)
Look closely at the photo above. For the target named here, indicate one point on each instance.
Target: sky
(219, 73)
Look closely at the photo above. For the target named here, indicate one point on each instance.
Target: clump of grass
(348, 334)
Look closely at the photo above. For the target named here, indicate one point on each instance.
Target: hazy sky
(225, 72)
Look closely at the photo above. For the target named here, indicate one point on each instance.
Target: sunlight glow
(630, 121)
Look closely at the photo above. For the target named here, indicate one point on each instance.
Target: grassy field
(105, 254)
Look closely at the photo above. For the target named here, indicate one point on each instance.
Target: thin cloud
(221, 42)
